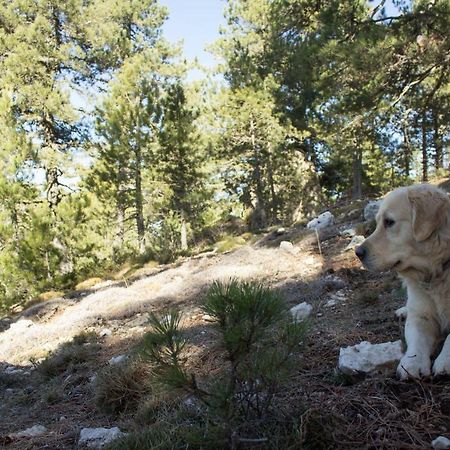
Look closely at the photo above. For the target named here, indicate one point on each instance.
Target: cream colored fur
(412, 237)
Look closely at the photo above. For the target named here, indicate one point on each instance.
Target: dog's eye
(388, 222)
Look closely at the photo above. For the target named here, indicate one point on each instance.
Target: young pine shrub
(259, 341)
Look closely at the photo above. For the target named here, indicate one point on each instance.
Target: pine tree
(180, 155)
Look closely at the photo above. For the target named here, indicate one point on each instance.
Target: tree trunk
(424, 146)
(357, 173)
(140, 227)
(438, 155)
(184, 243)
(274, 200)
(260, 213)
(407, 151)
(120, 224)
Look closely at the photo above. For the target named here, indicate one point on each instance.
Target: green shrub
(259, 340)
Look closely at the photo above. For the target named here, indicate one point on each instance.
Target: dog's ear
(430, 209)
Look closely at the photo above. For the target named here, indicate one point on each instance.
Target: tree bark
(438, 155)
(407, 151)
(260, 207)
(357, 173)
(184, 243)
(424, 146)
(140, 227)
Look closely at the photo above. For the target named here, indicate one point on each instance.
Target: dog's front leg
(421, 336)
(441, 365)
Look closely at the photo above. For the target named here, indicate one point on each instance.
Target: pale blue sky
(196, 22)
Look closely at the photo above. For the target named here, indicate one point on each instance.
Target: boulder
(356, 240)
(301, 311)
(324, 220)
(118, 359)
(99, 437)
(368, 358)
(441, 442)
(371, 209)
(348, 232)
(288, 247)
(36, 430)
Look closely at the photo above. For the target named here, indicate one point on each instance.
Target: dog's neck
(426, 277)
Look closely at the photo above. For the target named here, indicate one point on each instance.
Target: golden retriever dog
(412, 237)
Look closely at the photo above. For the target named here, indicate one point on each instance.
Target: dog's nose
(360, 252)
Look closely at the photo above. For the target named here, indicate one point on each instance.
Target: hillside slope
(349, 305)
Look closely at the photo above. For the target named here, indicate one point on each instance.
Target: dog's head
(408, 224)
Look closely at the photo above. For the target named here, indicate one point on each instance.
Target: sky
(197, 23)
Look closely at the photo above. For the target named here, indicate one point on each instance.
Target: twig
(318, 242)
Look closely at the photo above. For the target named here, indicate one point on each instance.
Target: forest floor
(372, 412)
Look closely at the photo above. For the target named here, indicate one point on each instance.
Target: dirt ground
(338, 412)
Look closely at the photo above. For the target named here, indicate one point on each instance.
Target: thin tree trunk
(274, 200)
(438, 155)
(357, 173)
(407, 151)
(260, 207)
(139, 200)
(184, 243)
(120, 224)
(424, 146)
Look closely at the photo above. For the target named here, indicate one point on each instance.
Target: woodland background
(109, 154)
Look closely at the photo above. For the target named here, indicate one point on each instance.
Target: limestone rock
(441, 442)
(371, 209)
(324, 220)
(356, 240)
(36, 430)
(99, 437)
(288, 247)
(117, 359)
(367, 358)
(301, 311)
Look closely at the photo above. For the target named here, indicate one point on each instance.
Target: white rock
(36, 430)
(356, 240)
(288, 247)
(353, 212)
(301, 311)
(349, 232)
(12, 370)
(334, 299)
(118, 359)
(401, 313)
(280, 231)
(105, 332)
(371, 209)
(441, 442)
(99, 437)
(324, 220)
(334, 282)
(366, 357)
(21, 325)
(207, 318)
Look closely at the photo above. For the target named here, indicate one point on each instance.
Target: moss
(88, 284)
(230, 243)
(49, 295)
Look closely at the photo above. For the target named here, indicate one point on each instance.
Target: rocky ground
(349, 305)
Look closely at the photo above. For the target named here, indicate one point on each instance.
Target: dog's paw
(413, 367)
(441, 365)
